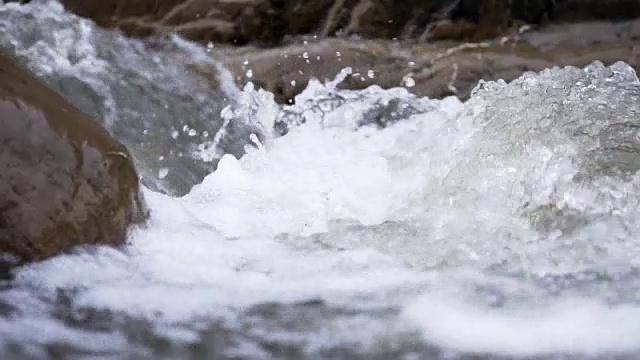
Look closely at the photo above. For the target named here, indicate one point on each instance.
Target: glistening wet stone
(64, 180)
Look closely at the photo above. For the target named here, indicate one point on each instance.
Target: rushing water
(381, 226)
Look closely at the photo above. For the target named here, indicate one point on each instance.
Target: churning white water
(505, 226)
(428, 215)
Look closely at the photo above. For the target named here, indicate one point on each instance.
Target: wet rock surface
(359, 33)
(220, 21)
(437, 69)
(64, 181)
(269, 21)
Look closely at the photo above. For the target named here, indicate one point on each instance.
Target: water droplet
(371, 74)
(193, 132)
(409, 82)
(175, 134)
(254, 139)
(162, 173)
(249, 73)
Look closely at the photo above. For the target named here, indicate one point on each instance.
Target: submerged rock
(64, 181)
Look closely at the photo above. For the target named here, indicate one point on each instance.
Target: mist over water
(381, 225)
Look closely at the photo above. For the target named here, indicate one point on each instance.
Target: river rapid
(379, 226)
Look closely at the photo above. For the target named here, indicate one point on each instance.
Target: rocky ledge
(270, 21)
(436, 69)
(64, 181)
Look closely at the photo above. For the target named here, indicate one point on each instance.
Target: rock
(242, 21)
(64, 181)
(426, 69)
(585, 10)
(269, 21)
(235, 22)
(285, 71)
(584, 119)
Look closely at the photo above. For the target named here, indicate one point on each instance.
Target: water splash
(381, 226)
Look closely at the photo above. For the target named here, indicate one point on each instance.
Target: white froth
(297, 193)
(456, 175)
(183, 269)
(578, 326)
(334, 172)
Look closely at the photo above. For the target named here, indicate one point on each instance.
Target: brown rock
(285, 71)
(64, 181)
(387, 19)
(493, 18)
(263, 21)
(436, 70)
(269, 21)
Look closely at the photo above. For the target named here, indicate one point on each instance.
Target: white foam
(43, 331)
(182, 269)
(333, 173)
(455, 171)
(567, 325)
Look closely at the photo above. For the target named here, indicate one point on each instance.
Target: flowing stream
(381, 226)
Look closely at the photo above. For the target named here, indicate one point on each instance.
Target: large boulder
(64, 181)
